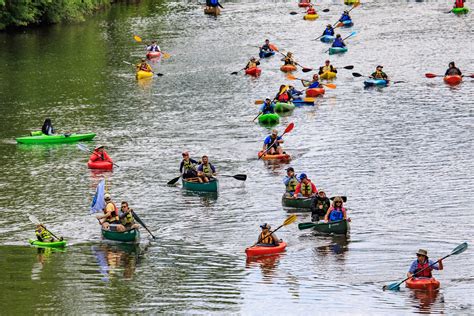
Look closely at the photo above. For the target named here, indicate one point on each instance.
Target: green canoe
(40, 138)
(337, 227)
(337, 50)
(126, 236)
(460, 10)
(269, 119)
(54, 244)
(210, 186)
(281, 107)
(297, 203)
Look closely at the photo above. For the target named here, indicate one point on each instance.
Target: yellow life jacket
(306, 189)
(42, 233)
(206, 169)
(113, 216)
(291, 186)
(251, 64)
(326, 68)
(128, 219)
(188, 165)
(266, 238)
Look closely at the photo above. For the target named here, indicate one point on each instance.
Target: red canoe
(452, 80)
(254, 71)
(314, 92)
(427, 284)
(104, 165)
(262, 250)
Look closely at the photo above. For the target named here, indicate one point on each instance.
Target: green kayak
(281, 107)
(337, 227)
(54, 244)
(126, 236)
(210, 186)
(269, 119)
(460, 10)
(296, 203)
(337, 50)
(40, 138)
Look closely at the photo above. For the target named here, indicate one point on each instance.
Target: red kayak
(452, 80)
(304, 4)
(314, 92)
(427, 284)
(151, 55)
(104, 165)
(254, 71)
(262, 250)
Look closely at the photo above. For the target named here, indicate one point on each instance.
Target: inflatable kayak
(40, 138)
(104, 165)
(311, 17)
(282, 157)
(266, 54)
(347, 23)
(314, 92)
(281, 107)
(254, 71)
(288, 68)
(54, 244)
(210, 186)
(460, 10)
(452, 80)
(375, 82)
(337, 50)
(427, 284)
(151, 55)
(304, 4)
(328, 75)
(265, 250)
(269, 119)
(212, 11)
(327, 38)
(143, 74)
(126, 236)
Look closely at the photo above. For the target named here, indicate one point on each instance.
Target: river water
(402, 155)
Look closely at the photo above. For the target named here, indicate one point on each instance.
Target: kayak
(282, 157)
(269, 119)
(311, 17)
(126, 236)
(460, 10)
(350, 2)
(300, 202)
(328, 75)
(254, 71)
(304, 4)
(427, 284)
(210, 186)
(265, 250)
(143, 74)
(266, 54)
(327, 38)
(302, 102)
(337, 50)
(375, 82)
(288, 68)
(347, 23)
(40, 138)
(452, 80)
(281, 107)
(336, 227)
(104, 165)
(212, 11)
(314, 92)
(43, 244)
(151, 55)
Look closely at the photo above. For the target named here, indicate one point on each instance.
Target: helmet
(107, 196)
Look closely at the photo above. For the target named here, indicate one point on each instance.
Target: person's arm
(344, 214)
(181, 166)
(333, 69)
(257, 63)
(280, 140)
(286, 180)
(107, 157)
(313, 187)
(437, 265)
(276, 240)
(297, 190)
(372, 75)
(446, 73)
(148, 67)
(320, 72)
(213, 169)
(459, 73)
(412, 269)
(326, 217)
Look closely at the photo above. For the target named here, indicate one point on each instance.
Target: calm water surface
(402, 155)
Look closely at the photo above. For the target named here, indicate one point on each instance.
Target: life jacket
(251, 64)
(314, 84)
(114, 216)
(345, 17)
(206, 169)
(268, 108)
(214, 3)
(144, 67)
(327, 68)
(188, 165)
(378, 75)
(289, 61)
(153, 48)
(266, 238)
(128, 219)
(336, 215)
(459, 4)
(311, 11)
(284, 97)
(338, 42)
(273, 142)
(328, 31)
(42, 234)
(424, 274)
(306, 189)
(291, 186)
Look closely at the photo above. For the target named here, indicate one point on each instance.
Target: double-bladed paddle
(129, 63)
(353, 7)
(294, 13)
(288, 221)
(303, 69)
(288, 129)
(456, 251)
(430, 75)
(36, 221)
(307, 100)
(357, 75)
(86, 149)
(327, 85)
(135, 216)
(240, 177)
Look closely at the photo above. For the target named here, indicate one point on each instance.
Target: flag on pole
(98, 203)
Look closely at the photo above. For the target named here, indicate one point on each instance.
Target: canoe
(288, 68)
(328, 75)
(103, 165)
(54, 139)
(314, 92)
(460, 10)
(126, 236)
(266, 54)
(269, 119)
(212, 11)
(210, 186)
(452, 80)
(427, 284)
(262, 250)
(282, 157)
(302, 102)
(281, 107)
(375, 82)
(304, 4)
(327, 38)
(337, 227)
(296, 203)
(347, 23)
(254, 71)
(337, 50)
(350, 2)
(311, 17)
(151, 55)
(42, 244)
(143, 74)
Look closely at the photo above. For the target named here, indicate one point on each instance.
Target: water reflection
(337, 245)
(206, 198)
(267, 264)
(42, 258)
(426, 301)
(117, 260)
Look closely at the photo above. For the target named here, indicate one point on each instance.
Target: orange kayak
(262, 250)
(284, 157)
(427, 284)
(314, 92)
(288, 68)
(452, 80)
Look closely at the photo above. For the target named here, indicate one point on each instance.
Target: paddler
(338, 42)
(153, 47)
(305, 188)
(459, 3)
(144, 66)
(295, 94)
(110, 219)
(291, 181)
(47, 127)
(272, 143)
(100, 154)
(187, 166)
(266, 238)
(42, 234)
(267, 107)
(288, 59)
(422, 262)
(329, 30)
(252, 63)
(311, 10)
(453, 70)
(314, 83)
(283, 94)
(265, 49)
(126, 216)
(327, 67)
(379, 74)
(319, 206)
(336, 212)
(206, 170)
(345, 17)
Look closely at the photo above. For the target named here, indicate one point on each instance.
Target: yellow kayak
(328, 75)
(311, 17)
(144, 74)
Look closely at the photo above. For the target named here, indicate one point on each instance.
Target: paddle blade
(309, 100)
(293, 13)
(274, 47)
(291, 77)
(259, 101)
(289, 220)
(325, 10)
(289, 128)
(303, 226)
(241, 177)
(33, 219)
(348, 67)
(173, 181)
(392, 287)
(234, 73)
(83, 147)
(459, 249)
(356, 74)
(159, 75)
(137, 38)
(430, 75)
(166, 55)
(307, 69)
(339, 24)
(470, 76)
(352, 34)
(330, 85)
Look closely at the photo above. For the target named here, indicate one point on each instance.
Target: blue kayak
(337, 50)
(266, 54)
(327, 38)
(301, 102)
(375, 83)
(347, 23)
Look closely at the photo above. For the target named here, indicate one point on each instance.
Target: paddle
(288, 129)
(304, 69)
(328, 85)
(139, 40)
(260, 113)
(128, 63)
(240, 177)
(353, 7)
(287, 221)
(430, 75)
(236, 72)
(135, 216)
(456, 251)
(35, 221)
(294, 13)
(310, 100)
(174, 180)
(352, 34)
(85, 149)
(357, 75)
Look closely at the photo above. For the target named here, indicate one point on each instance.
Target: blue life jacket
(345, 17)
(314, 85)
(266, 109)
(328, 32)
(214, 3)
(338, 42)
(336, 215)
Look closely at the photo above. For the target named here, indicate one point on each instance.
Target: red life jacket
(459, 4)
(283, 97)
(311, 11)
(424, 274)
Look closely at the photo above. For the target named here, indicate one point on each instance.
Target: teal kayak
(43, 244)
(210, 186)
(126, 236)
(281, 107)
(40, 138)
(269, 119)
(337, 50)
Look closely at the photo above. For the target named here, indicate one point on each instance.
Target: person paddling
(272, 143)
(453, 70)
(267, 107)
(47, 127)
(345, 17)
(99, 154)
(295, 94)
(423, 262)
(153, 47)
(144, 66)
(336, 212)
(110, 219)
(311, 10)
(291, 181)
(283, 94)
(266, 238)
(459, 3)
(206, 170)
(313, 83)
(265, 49)
(43, 235)
(253, 62)
(288, 59)
(187, 166)
(305, 188)
(379, 74)
(329, 30)
(338, 42)
(327, 67)
(319, 206)
(126, 217)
